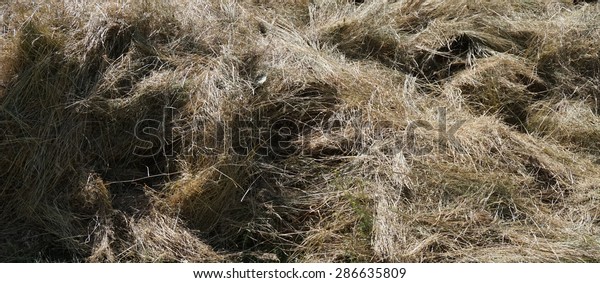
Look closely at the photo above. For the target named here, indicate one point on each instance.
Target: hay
(319, 131)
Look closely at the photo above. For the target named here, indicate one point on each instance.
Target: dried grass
(211, 131)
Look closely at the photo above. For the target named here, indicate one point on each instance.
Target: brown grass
(137, 132)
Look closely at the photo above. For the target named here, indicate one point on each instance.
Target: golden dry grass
(216, 131)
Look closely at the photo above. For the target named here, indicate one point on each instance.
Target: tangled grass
(308, 131)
